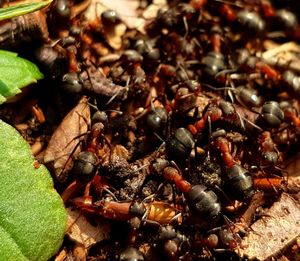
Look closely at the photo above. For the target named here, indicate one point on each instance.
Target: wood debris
(273, 233)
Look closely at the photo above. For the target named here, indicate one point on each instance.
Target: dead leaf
(63, 143)
(79, 252)
(274, 232)
(79, 8)
(284, 55)
(152, 10)
(114, 36)
(126, 9)
(62, 255)
(81, 231)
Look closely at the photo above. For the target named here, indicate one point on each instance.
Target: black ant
(201, 201)
(268, 148)
(219, 110)
(173, 243)
(238, 180)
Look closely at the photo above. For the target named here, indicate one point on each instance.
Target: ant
(287, 79)
(51, 59)
(201, 201)
(238, 180)
(110, 17)
(269, 184)
(291, 115)
(217, 111)
(85, 164)
(156, 212)
(186, 96)
(214, 62)
(270, 153)
(156, 119)
(218, 241)
(174, 244)
(245, 19)
(292, 81)
(180, 143)
(281, 18)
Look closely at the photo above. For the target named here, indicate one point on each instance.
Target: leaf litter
(81, 231)
(64, 143)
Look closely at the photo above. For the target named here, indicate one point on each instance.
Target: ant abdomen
(239, 182)
(203, 202)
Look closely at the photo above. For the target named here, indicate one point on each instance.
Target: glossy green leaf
(32, 214)
(15, 73)
(21, 9)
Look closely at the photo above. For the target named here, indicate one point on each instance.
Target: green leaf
(15, 73)
(32, 215)
(21, 9)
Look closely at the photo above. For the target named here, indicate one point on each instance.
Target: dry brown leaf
(79, 8)
(126, 9)
(79, 252)
(62, 255)
(282, 55)
(274, 232)
(114, 36)
(151, 11)
(63, 143)
(81, 231)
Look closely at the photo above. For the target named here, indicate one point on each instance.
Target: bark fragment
(273, 233)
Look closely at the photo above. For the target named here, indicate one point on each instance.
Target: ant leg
(71, 190)
(226, 197)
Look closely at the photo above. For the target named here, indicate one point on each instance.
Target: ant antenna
(96, 108)
(186, 27)
(251, 123)
(160, 138)
(241, 120)
(224, 194)
(226, 71)
(117, 93)
(209, 126)
(180, 66)
(229, 3)
(111, 193)
(218, 88)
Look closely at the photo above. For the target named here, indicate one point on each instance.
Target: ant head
(166, 232)
(110, 18)
(137, 209)
(85, 166)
